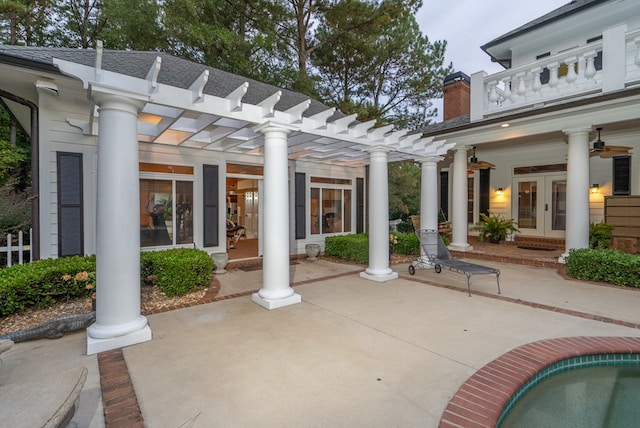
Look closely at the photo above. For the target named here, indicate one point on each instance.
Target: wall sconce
(499, 191)
(595, 188)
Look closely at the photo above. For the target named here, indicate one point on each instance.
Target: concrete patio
(353, 353)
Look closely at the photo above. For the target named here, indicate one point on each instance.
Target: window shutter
(622, 175)
(211, 212)
(485, 187)
(359, 205)
(300, 205)
(444, 195)
(70, 207)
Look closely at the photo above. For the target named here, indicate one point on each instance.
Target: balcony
(606, 65)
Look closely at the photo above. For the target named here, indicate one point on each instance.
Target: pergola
(278, 125)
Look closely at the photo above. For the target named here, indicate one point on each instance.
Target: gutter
(35, 171)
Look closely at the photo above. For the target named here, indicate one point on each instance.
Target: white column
(378, 269)
(429, 193)
(459, 200)
(276, 290)
(577, 226)
(118, 319)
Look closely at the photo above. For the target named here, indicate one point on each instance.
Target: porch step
(538, 242)
(531, 241)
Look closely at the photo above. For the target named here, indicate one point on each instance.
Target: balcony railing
(572, 74)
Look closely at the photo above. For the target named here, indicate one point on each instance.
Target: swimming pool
(589, 391)
(486, 396)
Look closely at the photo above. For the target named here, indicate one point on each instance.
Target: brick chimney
(457, 95)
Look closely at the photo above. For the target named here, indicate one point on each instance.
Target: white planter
(220, 261)
(312, 251)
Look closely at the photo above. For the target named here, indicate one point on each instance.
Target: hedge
(610, 266)
(45, 282)
(355, 247)
(177, 271)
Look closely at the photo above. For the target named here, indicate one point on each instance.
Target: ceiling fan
(475, 164)
(602, 150)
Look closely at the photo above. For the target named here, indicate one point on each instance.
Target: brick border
(480, 400)
(119, 399)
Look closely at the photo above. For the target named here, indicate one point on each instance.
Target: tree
(25, 22)
(133, 24)
(388, 71)
(80, 23)
(238, 36)
(404, 189)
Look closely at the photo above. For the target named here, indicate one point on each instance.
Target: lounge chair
(436, 255)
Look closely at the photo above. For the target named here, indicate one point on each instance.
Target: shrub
(405, 227)
(600, 236)
(407, 243)
(44, 282)
(354, 247)
(610, 266)
(494, 226)
(176, 271)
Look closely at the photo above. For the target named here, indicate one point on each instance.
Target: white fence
(20, 248)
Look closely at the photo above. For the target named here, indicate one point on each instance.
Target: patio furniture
(234, 233)
(434, 254)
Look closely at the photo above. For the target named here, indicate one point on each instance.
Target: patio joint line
(550, 308)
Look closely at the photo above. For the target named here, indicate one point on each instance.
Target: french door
(539, 204)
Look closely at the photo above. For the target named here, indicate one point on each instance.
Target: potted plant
(494, 227)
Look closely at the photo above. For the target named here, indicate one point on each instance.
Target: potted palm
(494, 227)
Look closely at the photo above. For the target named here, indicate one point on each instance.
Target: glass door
(539, 204)
(555, 206)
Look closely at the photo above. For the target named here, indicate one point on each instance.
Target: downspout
(35, 171)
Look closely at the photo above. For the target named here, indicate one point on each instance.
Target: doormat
(259, 267)
(526, 247)
(250, 268)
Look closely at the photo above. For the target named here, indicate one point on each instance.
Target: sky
(468, 24)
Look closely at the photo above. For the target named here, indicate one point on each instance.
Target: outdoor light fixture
(499, 191)
(595, 188)
(504, 125)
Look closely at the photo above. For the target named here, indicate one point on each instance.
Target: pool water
(600, 396)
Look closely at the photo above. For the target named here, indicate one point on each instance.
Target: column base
(276, 303)
(460, 247)
(95, 346)
(379, 277)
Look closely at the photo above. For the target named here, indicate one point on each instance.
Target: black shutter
(359, 205)
(70, 207)
(485, 188)
(444, 195)
(622, 175)
(300, 205)
(211, 212)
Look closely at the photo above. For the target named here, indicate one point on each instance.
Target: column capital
(378, 149)
(430, 159)
(272, 126)
(105, 95)
(577, 130)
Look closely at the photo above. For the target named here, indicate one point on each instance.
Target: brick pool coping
(480, 400)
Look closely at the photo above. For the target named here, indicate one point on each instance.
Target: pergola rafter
(190, 117)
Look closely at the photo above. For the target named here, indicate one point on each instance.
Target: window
(330, 205)
(166, 209)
